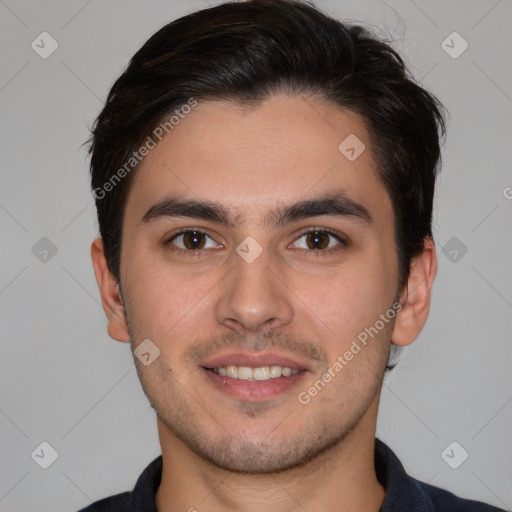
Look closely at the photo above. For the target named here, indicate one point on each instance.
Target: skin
(308, 304)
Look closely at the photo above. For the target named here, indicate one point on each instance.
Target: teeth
(245, 373)
(275, 371)
(232, 371)
(260, 373)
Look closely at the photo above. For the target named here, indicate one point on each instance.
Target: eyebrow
(335, 204)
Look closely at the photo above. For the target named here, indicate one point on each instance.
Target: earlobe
(415, 298)
(110, 294)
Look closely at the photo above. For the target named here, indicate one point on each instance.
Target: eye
(319, 240)
(192, 240)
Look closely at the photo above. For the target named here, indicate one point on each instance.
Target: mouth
(254, 376)
(261, 373)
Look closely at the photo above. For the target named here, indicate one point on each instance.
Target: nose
(253, 297)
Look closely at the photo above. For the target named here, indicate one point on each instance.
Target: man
(264, 179)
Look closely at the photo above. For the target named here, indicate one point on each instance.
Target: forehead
(252, 159)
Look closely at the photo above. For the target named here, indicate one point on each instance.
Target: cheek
(160, 300)
(348, 299)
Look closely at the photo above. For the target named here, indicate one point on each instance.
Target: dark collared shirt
(403, 493)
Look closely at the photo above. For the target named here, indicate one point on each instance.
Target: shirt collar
(402, 491)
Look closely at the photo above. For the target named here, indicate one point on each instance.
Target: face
(255, 254)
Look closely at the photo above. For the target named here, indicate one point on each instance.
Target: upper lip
(253, 360)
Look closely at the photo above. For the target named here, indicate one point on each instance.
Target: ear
(110, 294)
(415, 298)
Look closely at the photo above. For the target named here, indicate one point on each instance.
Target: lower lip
(254, 389)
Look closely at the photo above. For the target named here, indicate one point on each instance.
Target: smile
(260, 373)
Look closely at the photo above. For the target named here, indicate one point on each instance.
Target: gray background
(65, 382)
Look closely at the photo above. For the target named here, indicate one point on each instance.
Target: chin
(263, 455)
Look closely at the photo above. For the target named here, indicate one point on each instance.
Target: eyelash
(311, 252)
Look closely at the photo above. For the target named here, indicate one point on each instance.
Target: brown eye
(319, 240)
(192, 240)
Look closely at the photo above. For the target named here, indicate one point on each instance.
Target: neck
(341, 478)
